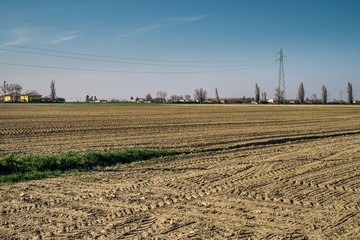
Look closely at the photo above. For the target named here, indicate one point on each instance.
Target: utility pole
(280, 91)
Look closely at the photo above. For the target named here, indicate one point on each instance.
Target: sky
(116, 49)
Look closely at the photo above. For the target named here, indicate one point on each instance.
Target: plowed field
(255, 172)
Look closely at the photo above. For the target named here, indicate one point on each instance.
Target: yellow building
(12, 98)
(31, 97)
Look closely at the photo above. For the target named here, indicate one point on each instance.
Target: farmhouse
(12, 97)
(31, 97)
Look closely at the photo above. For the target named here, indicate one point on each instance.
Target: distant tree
(244, 99)
(176, 98)
(324, 95)
(279, 95)
(179, 97)
(263, 96)
(148, 97)
(187, 97)
(52, 90)
(33, 92)
(217, 96)
(161, 95)
(87, 98)
(200, 95)
(131, 98)
(257, 93)
(301, 93)
(14, 89)
(173, 98)
(4, 89)
(314, 98)
(350, 93)
(95, 98)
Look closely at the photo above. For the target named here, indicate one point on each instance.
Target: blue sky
(118, 49)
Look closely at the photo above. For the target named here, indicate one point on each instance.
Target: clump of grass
(15, 168)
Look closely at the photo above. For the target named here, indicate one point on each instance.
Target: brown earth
(256, 172)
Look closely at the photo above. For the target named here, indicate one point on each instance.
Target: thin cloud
(163, 23)
(142, 30)
(20, 35)
(17, 41)
(186, 19)
(64, 39)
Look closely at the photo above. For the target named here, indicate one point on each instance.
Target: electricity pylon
(280, 91)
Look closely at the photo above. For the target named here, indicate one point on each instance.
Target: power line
(296, 68)
(132, 63)
(134, 59)
(126, 71)
(309, 76)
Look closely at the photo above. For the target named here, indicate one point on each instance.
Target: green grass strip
(15, 168)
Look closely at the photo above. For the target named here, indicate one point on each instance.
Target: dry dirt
(258, 172)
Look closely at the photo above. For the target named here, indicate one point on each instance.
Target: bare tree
(279, 95)
(14, 89)
(4, 89)
(52, 90)
(350, 93)
(187, 97)
(217, 96)
(176, 98)
(161, 95)
(32, 92)
(301, 93)
(324, 95)
(257, 93)
(314, 98)
(200, 95)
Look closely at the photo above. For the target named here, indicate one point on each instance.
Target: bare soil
(256, 172)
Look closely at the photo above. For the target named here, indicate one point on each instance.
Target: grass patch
(14, 168)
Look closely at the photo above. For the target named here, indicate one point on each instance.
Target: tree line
(324, 95)
(200, 96)
(301, 95)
